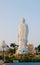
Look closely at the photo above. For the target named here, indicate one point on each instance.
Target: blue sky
(11, 12)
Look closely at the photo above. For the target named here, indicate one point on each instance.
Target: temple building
(22, 37)
(31, 49)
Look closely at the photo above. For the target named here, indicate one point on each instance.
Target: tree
(39, 48)
(13, 48)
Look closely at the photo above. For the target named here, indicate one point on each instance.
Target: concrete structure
(3, 45)
(22, 37)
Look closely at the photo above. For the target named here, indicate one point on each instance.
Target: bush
(1, 57)
(7, 59)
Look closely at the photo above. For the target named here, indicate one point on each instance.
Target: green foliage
(10, 51)
(1, 57)
(33, 58)
(39, 48)
(13, 47)
(7, 59)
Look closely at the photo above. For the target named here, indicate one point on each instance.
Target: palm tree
(14, 47)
